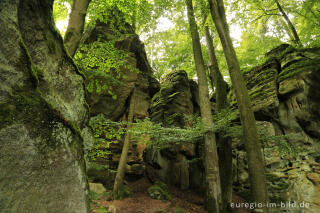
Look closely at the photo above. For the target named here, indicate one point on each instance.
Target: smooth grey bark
(118, 182)
(257, 177)
(211, 164)
(42, 166)
(224, 144)
(215, 74)
(290, 24)
(76, 25)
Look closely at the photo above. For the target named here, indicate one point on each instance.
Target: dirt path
(182, 201)
(140, 202)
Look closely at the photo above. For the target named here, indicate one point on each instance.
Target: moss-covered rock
(42, 109)
(174, 100)
(135, 73)
(99, 172)
(159, 191)
(97, 188)
(284, 91)
(146, 85)
(177, 99)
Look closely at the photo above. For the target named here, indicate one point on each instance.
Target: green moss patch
(299, 67)
(159, 191)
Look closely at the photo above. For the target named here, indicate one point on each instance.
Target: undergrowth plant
(106, 132)
(156, 135)
(103, 65)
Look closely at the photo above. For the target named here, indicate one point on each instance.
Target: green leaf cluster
(287, 150)
(161, 137)
(103, 64)
(106, 132)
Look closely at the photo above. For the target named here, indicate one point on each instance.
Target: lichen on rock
(42, 164)
(284, 92)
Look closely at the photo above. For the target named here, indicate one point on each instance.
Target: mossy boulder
(159, 191)
(97, 188)
(42, 112)
(99, 172)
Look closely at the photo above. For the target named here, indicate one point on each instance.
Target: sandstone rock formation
(103, 104)
(42, 111)
(176, 99)
(285, 96)
(146, 85)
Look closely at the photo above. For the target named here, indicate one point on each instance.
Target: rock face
(103, 104)
(143, 80)
(175, 100)
(42, 109)
(285, 96)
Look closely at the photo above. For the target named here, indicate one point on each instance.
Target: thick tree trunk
(118, 183)
(41, 152)
(225, 149)
(251, 140)
(213, 202)
(76, 25)
(292, 28)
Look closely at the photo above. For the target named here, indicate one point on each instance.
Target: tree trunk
(76, 25)
(292, 28)
(251, 140)
(118, 183)
(213, 198)
(42, 166)
(225, 148)
(217, 78)
(134, 18)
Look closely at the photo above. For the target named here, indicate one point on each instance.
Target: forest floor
(182, 201)
(139, 201)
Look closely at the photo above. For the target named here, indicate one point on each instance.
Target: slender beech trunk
(292, 28)
(253, 147)
(134, 18)
(215, 74)
(225, 148)
(118, 183)
(76, 25)
(213, 198)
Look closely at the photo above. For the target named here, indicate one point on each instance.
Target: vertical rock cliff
(135, 73)
(42, 111)
(285, 95)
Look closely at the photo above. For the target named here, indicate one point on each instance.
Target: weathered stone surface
(42, 109)
(144, 81)
(97, 188)
(285, 97)
(288, 179)
(288, 98)
(100, 173)
(175, 100)
(263, 87)
(102, 104)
